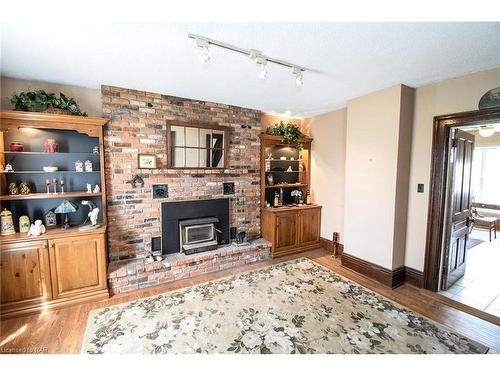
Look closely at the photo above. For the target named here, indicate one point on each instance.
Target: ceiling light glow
(486, 131)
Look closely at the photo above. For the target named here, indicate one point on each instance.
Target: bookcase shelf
(73, 194)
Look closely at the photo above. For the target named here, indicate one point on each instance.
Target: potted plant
(41, 101)
(290, 133)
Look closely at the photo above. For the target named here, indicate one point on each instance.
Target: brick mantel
(138, 125)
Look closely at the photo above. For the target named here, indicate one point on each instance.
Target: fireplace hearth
(190, 227)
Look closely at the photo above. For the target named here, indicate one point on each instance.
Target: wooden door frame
(437, 186)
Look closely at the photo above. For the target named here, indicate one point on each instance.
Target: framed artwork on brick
(147, 161)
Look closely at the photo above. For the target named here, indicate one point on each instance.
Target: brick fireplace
(138, 126)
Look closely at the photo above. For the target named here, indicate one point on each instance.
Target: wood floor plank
(61, 331)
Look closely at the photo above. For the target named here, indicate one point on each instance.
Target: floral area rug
(292, 307)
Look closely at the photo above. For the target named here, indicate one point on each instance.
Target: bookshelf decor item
(66, 207)
(70, 264)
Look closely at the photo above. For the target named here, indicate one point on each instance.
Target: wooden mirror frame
(198, 125)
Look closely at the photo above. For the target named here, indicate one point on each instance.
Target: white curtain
(486, 175)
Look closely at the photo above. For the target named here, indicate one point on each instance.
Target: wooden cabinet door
(286, 231)
(77, 265)
(309, 226)
(24, 273)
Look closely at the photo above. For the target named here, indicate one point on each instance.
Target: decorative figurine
(79, 166)
(8, 168)
(95, 150)
(54, 182)
(24, 224)
(61, 183)
(97, 189)
(24, 188)
(89, 188)
(16, 147)
(51, 145)
(66, 207)
(88, 166)
(136, 182)
(13, 189)
(47, 183)
(289, 169)
(37, 228)
(92, 215)
(270, 179)
(7, 224)
(50, 219)
(301, 167)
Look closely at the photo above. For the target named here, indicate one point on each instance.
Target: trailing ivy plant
(40, 101)
(290, 133)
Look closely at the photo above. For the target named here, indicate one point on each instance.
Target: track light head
(263, 64)
(202, 46)
(299, 77)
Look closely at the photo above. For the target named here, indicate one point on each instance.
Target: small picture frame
(147, 161)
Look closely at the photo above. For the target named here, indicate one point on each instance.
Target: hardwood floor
(61, 331)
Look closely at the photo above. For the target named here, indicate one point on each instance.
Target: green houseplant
(290, 133)
(41, 101)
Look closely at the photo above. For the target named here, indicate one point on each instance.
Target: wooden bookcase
(292, 227)
(62, 266)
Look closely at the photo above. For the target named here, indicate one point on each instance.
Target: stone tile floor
(480, 286)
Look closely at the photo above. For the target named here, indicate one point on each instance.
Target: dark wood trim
(414, 277)
(390, 278)
(326, 244)
(437, 185)
(329, 245)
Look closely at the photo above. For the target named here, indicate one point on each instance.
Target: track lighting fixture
(299, 78)
(203, 43)
(202, 46)
(263, 72)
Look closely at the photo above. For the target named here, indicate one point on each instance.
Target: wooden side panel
(309, 226)
(24, 273)
(77, 265)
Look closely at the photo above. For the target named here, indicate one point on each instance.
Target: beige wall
(376, 146)
(450, 96)
(328, 169)
(88, 99)
(268, 120)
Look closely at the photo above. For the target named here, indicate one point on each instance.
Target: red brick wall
(137, 125)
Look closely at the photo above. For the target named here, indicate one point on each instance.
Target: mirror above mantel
(196, 145)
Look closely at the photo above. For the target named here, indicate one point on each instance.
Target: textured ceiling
(347, 59)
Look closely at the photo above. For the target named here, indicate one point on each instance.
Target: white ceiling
(347, 59)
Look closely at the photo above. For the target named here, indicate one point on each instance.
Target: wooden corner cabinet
(60, 267)
(291, 226)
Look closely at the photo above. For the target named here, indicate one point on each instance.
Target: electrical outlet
(420, 188)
